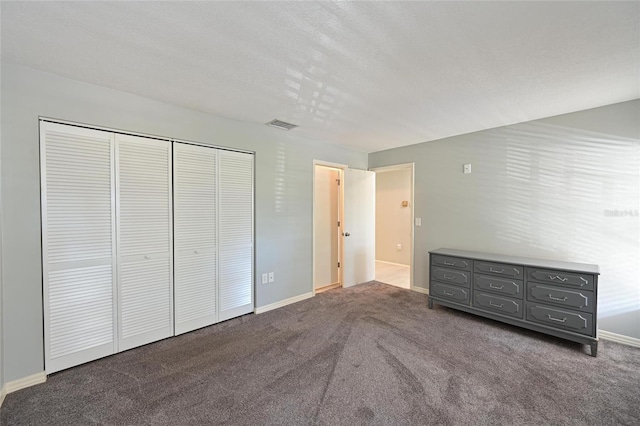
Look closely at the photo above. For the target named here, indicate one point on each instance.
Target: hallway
(393, 274)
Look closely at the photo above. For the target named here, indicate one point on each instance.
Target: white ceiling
(370, 75)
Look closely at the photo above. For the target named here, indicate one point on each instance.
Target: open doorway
(394, 225)
(327, 219)
(343, 226)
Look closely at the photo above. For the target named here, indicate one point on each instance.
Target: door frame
(393, 168)
(341, 168)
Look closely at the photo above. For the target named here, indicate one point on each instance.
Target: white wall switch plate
(418, 221)
(265, 278)
(398, 247)
(271, 277)
(467, 168)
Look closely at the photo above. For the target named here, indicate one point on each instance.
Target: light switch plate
(418, 221)
(271, 277)
(467, 168)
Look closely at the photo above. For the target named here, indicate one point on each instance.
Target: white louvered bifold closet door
(145, 254)
(78, 244)
(235, 231)
(195, 199)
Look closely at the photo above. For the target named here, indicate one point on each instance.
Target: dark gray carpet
(373, 354)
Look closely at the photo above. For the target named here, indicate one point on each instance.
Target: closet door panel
(235, 233)
(236, 282)
(144, 223)
(195, 198)
(195, 290)
(80, 305)
(145, 301)
(78, 244)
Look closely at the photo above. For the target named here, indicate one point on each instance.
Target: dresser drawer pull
(447, 294)
(496, 287)
(500, 271)
(557, 299)
(447, 277)
(557, 277)
(585, 281)
(449, 263)
(495, 304)
(556, 319)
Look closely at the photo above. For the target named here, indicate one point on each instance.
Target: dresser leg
(430, 303)
(594, 349)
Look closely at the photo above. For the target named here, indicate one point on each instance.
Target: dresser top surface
(526, 261)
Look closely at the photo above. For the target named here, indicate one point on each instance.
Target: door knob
(345, 234)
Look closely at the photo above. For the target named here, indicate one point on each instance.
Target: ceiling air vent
(279, 124)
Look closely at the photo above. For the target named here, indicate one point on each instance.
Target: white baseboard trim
(3, 393)
(420, 289)
(25, 382)
(282, 303)
(619, 338)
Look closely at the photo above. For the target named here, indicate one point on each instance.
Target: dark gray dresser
(557, 298)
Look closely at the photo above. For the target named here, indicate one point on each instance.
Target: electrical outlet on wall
(399, 247)
(271, 277)
(265, 278)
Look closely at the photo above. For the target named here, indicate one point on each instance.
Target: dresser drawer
(531, 293)
(451, 262)
(501, 305)
(500, 269)
(453, 293)
(568, 279)
(505, 286)
(569, 298)
(578, 322)
(452, 277)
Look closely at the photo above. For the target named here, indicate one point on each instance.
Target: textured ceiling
(370, 75)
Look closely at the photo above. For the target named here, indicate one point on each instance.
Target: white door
(145, 255)
(78, 244)
(235, 231)
(359, 227)
(195, 200)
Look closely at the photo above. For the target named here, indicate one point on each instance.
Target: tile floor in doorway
(392, 273)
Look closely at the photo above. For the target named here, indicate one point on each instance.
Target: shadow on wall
(574, 195)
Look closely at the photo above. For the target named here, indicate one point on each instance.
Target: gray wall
(563, 188)
(284, 190)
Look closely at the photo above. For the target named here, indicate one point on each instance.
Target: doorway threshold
(327, 287)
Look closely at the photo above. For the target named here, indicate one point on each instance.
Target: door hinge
(338, 264)
(338, 180)
(338, 224)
